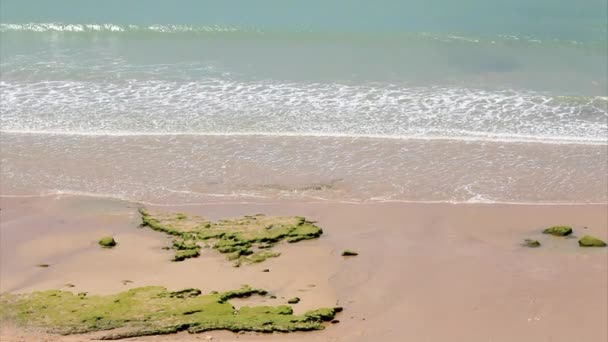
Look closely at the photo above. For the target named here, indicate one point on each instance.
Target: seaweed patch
(245, 240)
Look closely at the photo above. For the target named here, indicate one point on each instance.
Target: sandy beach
(265, 171)
(425, 272)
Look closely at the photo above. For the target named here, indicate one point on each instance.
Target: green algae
(531, 243)
(590, 241)
(245, 240)
(558, 230)
(154, 310)
(107, 242)
(182, 255)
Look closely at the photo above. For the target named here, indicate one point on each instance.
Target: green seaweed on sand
(590, 241)
(154, 310)
(244, 240)
(558, 230)
(107, 242)
(531, 243)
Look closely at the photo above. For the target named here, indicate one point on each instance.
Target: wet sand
(425, 272)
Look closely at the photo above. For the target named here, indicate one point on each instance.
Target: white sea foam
(465, 137)
(264, 200)
(60, 27)
(220, 106)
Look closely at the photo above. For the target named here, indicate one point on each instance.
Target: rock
(294, 300)
(107, 242)
(590, 241)
(43, 265)
(558, 230)
(265, 270)
(531, 243)
(348, 252)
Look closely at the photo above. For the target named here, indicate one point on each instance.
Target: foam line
(472, 136)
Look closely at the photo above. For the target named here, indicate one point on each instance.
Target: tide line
(465, 137)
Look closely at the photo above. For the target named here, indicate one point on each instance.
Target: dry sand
(425, 272)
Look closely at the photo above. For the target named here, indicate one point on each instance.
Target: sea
(192, 101)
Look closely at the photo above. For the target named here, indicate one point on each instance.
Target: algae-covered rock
(348, 252)
(186, 254)
(152, 310)
(107, 242)
(324, 314)
(245, 240)
(558, 230)
(590, 241)
(531, 243)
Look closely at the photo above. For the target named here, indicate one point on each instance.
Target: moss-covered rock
(348, 252)
(531, 243)
(590, 241)
(107, 242)
(153, 310)
(244, 240)
(182, 255)
(558, 230)
(324, 314)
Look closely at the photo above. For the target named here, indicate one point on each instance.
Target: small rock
(348, 252)
(265, 270)
(294, 300)
(335, 321)
(590, 241)
(558, 230)
(43, 265)
(107, 242)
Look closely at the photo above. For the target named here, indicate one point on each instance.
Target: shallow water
(199, 169)
(398, 100)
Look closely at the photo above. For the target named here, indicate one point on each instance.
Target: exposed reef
(245, 240)
(154, 310)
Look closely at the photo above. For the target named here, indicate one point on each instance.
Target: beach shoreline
(457, 267)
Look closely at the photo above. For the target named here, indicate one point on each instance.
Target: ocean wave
(109, 28)
(228, 107)
(84, 28)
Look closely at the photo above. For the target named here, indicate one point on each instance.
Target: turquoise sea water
(502, 70)
(291, 74)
